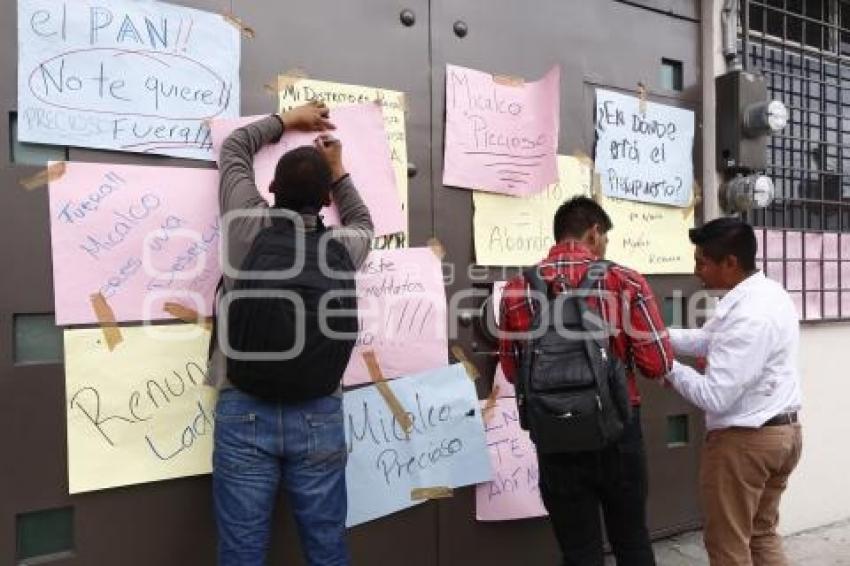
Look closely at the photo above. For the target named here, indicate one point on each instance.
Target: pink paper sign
(501, 136)
(401, 302)
(141, 236)
(365, 153)
(506, 388)
(513, 493)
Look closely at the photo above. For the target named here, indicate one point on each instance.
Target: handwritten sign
(124, 75)
(365, 153)
(518, 231)
(141, 236)
(649, 238)
(501, 136)
(140, 413)
(295, 91)
(446, 447)
(644, 156)
(513, 493)
(652, 239)
(401, 302)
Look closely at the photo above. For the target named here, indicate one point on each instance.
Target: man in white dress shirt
(750, 394)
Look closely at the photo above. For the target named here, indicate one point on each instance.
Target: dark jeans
(574, 486)
(260, 446)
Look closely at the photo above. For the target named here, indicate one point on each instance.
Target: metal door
(606, 44)
(599, 43)
(171, 522)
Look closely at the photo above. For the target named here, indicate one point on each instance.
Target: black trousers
(575, 486)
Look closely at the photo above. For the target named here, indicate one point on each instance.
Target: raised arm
(356, 228)
(238, 188)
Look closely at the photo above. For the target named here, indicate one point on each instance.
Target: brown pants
(742, 476)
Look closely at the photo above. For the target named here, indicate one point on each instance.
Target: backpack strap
(214, 332)
(596, 272)
(532, 275)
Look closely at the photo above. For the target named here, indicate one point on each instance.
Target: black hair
(577, 215)
(302, 180)
(727, 236)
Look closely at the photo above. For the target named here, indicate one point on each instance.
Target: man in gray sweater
(260, 444)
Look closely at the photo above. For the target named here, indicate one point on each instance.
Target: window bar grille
(803, 49)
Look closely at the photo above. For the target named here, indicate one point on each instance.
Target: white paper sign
(446, 448)
(137, 76)
(644, 156)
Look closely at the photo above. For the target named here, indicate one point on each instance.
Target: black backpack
(571, 391)
(271, 325)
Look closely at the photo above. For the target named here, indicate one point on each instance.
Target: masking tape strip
(436, 247)
(50, 173)
(106, 319)
(237, 22)
(584, 159)
(596, 187)
(508, 80)
(290, 77)
(642, 93)
(470, 368)
(392, 401)
(422, 493)
(696, 199)
(186, 314)
(402, 99)
(487, 411)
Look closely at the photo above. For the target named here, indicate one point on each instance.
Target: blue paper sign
(446, 447)
(644, 150)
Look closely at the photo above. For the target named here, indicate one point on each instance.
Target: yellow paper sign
(649, 238)
(516, 231)
(141, 412)
(295, 91)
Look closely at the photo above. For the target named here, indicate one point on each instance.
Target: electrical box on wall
(745, 118)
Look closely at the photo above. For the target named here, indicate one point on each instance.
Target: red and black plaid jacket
(639, 337)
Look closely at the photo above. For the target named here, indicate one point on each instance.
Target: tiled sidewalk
(824, 546)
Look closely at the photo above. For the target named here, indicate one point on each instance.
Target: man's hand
(311, 117)
(331, 149)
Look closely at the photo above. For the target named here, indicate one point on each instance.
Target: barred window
(802, 47)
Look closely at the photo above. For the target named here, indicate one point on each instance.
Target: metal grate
(802, 47)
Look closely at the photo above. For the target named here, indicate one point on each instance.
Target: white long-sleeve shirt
(751, 345)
